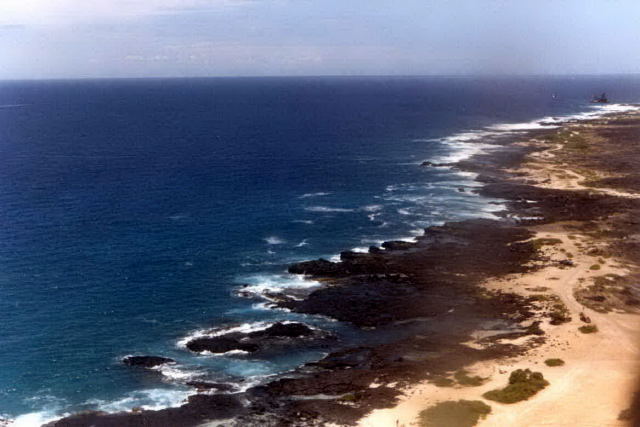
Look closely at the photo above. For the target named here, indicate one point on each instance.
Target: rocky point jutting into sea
(477, 293)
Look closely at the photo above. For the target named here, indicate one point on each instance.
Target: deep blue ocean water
(131, 209)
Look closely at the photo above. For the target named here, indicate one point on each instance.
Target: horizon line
(289, 76)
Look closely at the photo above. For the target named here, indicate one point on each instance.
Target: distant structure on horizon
(602, 99)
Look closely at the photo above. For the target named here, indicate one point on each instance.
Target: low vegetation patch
(467, 380)
(461, 413)
(610, 292)
(554, 362)
(523, 384)
(442, 382)
(595, 267)
(588, 329)
(557, 312)
(539, 243)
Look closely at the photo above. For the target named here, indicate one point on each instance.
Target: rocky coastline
(434, 286)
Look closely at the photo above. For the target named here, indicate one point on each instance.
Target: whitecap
(303, 221)
(274, 240)
(372, 208)
(318, 194)
(326, 209)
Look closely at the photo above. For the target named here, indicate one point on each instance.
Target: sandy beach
(601, 370)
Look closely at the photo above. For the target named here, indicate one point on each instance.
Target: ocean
(131, 211)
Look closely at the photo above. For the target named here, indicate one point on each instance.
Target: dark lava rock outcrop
(277, 335)
(146, 361)
(199, 409)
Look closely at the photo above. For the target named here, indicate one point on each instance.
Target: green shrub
(465, 379)
(554, 362)
(588, 329)
(522, 385)
(463, 413)
(595, 267)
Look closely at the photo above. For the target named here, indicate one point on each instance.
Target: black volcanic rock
(398, 245)
(220, 344)
(427, 163)
(290, 330)
(318, 267)
(359, 357)
(276, 337)
(351, 263)
(146, 361)
(199, 409)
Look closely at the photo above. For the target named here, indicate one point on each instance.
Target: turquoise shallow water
(131, 210)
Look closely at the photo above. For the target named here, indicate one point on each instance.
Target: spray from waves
(150, 399)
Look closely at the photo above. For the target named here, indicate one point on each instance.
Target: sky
(174, 38)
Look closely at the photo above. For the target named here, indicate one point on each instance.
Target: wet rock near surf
(199, 409)
(211, 386)
(147, 361)
(415, 279)
(222, 344)
(278, 335)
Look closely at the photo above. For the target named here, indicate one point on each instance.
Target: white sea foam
(178, 373)
(302, 243)
(469, 143)
(318, 194)
(326, 209)
(520, 127)
(303, 221)
(35, 419)
(274, 240)
(372, 208)
(225, 354)
(150, 399)
(360, 249)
